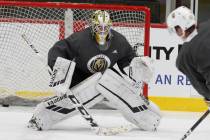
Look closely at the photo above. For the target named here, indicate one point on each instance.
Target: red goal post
(44, 23)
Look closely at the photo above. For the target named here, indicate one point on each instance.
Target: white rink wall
(167, 81)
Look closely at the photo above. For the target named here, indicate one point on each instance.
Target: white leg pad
(58, 108)
(135, 108)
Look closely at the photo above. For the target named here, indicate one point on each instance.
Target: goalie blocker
(110, 85)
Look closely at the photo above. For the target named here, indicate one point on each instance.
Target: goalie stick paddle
(195, 125)
(85, 114)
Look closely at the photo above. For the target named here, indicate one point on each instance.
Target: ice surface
(173, 126)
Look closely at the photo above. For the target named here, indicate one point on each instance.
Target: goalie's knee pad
(58, 108)
(135, 108)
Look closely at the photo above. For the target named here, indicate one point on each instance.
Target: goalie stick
(82, 110)
(195, 125)
(36, 52)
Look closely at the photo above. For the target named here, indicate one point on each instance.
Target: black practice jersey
(82, 47)
(194, 60)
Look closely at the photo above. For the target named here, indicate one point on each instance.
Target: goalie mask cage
(44, 23)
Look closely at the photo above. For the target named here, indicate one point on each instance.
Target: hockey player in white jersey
(95, 78)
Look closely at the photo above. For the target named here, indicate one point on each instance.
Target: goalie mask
(101, 23)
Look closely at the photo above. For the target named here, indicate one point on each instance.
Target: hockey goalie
(91, 56)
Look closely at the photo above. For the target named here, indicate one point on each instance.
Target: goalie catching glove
(140, 69)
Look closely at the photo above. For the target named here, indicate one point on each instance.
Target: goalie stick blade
(113, 130)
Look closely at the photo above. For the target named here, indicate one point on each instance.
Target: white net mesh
(21, 73)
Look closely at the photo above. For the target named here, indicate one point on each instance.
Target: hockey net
(23, 78)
